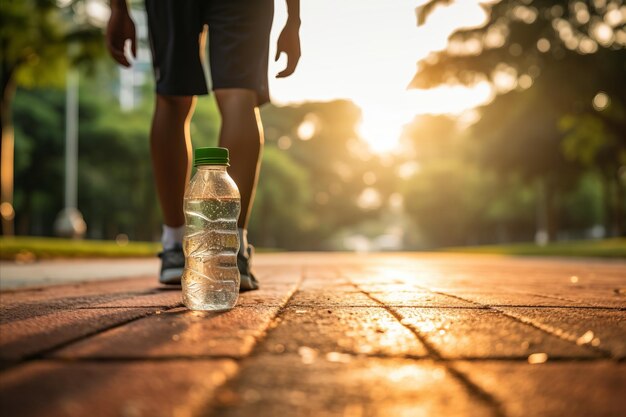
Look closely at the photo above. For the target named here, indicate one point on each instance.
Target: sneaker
(248, 280)
(172, 265)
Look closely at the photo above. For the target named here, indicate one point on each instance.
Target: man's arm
(119, 29)
(289, 39)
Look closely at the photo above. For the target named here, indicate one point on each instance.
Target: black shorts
(238, 32)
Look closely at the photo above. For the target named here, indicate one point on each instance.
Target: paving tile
(179, 333)
(98, 289)
(328, 285)
(389, 287)
(135, 292)
(553, 389)
(357, 330)
(478, 273)
(333, 351)
(512, 298)
(605, 329)
(381, 276)
(172, 388)
(159, 297)
(325, 278)
(329, 298)
(467, 333)
(155, 298)
(419, 298)
(267, 295)
(25, 337)
(548, 295)
(277, 274)
(322, 272)
(313, 281)
(609, 296)
(297, 386)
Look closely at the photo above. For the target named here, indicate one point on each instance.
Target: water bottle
(211, 278)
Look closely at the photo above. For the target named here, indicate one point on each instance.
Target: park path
(328, 335)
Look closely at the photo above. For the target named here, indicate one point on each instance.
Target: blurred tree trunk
(22, 227)
(265, 225)
(547, 214)
(617, 205)
(606, 202)
(552, 213)
(613, 204)
(7, 211)
(619, 209)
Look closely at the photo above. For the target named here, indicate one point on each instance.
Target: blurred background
(407, 126)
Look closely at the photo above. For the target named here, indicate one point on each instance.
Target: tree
(322, 139)
(546, 59)
(37, 40)
(590, 141)
(447, 201)
(280, 217)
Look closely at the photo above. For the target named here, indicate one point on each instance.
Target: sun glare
(366, 51)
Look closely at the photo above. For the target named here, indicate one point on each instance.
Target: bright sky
(366, 51)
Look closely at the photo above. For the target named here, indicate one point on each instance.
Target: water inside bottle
(211, 277)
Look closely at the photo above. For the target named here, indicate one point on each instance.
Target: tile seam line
(263, 333)
(283, 306)
(82, 301)
(477, 307)
(170, 307)
(493, 404)
(551, 297)
(556, 297)
(210, 406)
(74, 284)
(43, 354)
(528, 322)
(209, 357)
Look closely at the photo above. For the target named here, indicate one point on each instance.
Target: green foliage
(281, 218)
(606, 248)
(334, 160)
(587, 136)
(38, 37)
(38, 158)
(115, 190)
(582, 207)
(471, 187)
(446, 200)
(547, 125)
(591, 142)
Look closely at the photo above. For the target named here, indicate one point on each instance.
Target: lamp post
(69, 222)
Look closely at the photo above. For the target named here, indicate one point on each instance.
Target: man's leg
(170, 148)
(242, 134)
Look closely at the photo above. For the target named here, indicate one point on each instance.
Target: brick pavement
(328, 335)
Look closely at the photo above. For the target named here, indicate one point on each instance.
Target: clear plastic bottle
(211, 242)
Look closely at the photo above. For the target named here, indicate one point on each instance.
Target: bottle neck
(219, 168)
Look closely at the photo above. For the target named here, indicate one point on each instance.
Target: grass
(31, 248)
(604, 248)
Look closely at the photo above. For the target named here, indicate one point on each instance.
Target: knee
(236, 104)
(175, 106)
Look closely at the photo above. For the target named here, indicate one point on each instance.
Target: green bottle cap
(210, 156)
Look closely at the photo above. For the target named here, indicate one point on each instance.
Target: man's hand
(119, 29)
(289, 43)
